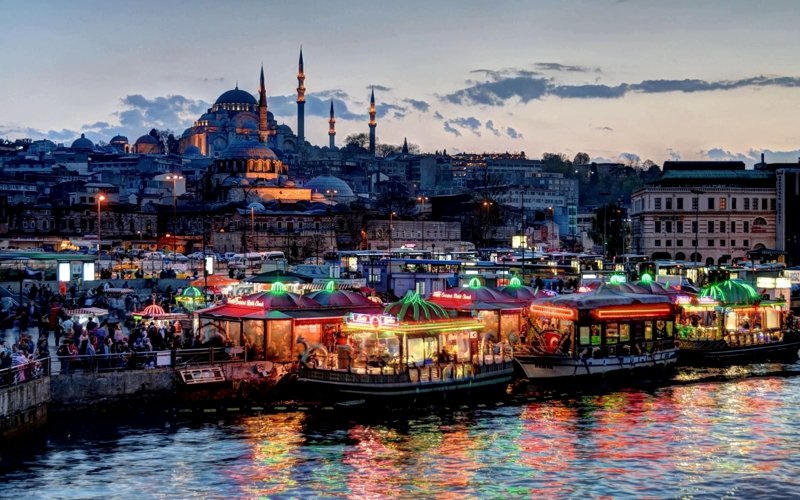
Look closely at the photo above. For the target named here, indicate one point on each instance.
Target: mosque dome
(256, 206)
(237, 96)
(147, 139)
(248, 149)
(119, 139)
(83, 144)
(192, 150)
(333, 187)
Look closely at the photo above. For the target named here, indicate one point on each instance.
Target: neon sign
(554, 312)
(454, 296)
(243, 302)
(625, 312)
(373, 320)
(474, 283)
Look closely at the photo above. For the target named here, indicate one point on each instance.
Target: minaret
(301, 103)
(405, 146)
(332, 129)
(372, 123)
(263, 130)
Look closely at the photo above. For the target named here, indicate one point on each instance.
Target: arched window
(759, 221)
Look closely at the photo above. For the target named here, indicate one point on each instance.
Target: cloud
(285, 106)
(630, 158)
(384, 108)
(438, 116)
(504, 85)
(752, 156)
(551, 66)
(170, 112)
(381, 88)
(491, 128)
(418, 105)
(470, 123)
(512, 133)
(604, 129)
(333, 93)
(14, 132)
(449, 129)
(673, 154)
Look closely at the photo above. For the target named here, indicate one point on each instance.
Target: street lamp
(389, 269)
(696, 193)
(100, 198)
(605, 223)
(174, 178)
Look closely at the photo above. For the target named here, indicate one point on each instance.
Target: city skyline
(611, 78)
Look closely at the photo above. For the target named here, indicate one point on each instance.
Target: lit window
(723, 203)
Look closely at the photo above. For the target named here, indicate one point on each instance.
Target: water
(729, 433)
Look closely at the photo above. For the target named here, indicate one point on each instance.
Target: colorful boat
(414, 349)
(599, 333)
(730, 322)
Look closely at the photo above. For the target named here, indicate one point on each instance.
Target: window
(680, 203)
(694, 203)
(746, 243)
(733, 226)
(733, 203)
(711, 203)
(669, 243)
(658, 226)
(668, 202)
(746, 227)
(612, 333)
(657, 243)
(764, 202)
(747, 203)
(694, 226)
(678, 243)
(755, 203)
(723, 203)
(722, 226)
(722, 243)
(711, 226)
(772, 204)
(679, 225)
(711, 243)
(694, 243)
(658, 203)
(733, 243)
(669, 226)
(624, 333)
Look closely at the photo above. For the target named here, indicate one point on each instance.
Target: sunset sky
(660, 80)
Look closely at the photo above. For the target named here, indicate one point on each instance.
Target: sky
(691, 80)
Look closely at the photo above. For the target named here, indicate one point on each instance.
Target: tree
(609, 226)
(581, 159)
(360, 140)
(384, 150)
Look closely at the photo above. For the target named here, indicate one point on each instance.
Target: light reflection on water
(723, 438)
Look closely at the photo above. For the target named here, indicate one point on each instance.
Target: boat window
(648, 330)
(670, 335)
(661, 329)
(584, 335)
(612, 333)
(596, 339)
(624, 332)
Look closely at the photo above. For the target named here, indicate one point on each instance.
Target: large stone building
(706, 212)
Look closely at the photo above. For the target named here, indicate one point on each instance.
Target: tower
(372, 123)
(405, 146)
(332, 129)
(301, 102)
(263, 129)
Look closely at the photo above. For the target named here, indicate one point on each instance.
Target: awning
(87, 311)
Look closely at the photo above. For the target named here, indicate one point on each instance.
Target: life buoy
(552, 340)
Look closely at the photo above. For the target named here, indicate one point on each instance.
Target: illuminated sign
(554, 312)
(64, 271)
(88, 271)
(374, 320)
(247, 303)
(209, 264)
(771, 283)
(626, 312)
(452, 296)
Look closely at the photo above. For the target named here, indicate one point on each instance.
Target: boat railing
(410, 372)
(734, 338)
(141, 360)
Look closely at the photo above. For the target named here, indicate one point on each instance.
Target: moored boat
(599, 333)
(730, 323)
(414, 349)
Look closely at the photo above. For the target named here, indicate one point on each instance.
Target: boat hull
(704, 353)
(328, 384)
(554, 368)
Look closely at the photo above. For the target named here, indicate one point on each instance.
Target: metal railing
(142, 360)
(24, 373)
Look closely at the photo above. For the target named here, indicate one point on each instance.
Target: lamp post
(100, 198)
(605, 223)
(422, 200)
(174, 178)
(389, 268)
(696, 193)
